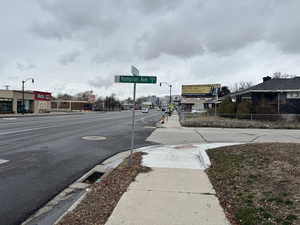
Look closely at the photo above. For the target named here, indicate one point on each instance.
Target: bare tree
(64, 96)
(279, 75)
(242, 85)
(99, 104)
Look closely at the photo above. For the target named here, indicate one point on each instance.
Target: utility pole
(6, 87)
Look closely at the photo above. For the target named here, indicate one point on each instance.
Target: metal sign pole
(133, 124)
(134, 72)
(135, 78)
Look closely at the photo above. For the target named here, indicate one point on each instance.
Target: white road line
(46, 127)
(3, 161)
(25, 130)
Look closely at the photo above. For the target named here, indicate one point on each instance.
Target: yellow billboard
(199, 89)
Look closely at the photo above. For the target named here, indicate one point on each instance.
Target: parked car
(145, 110)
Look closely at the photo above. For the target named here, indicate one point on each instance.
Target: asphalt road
(46, 154)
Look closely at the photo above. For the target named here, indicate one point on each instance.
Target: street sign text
(136, 79)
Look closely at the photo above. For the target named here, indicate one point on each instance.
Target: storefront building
(11, 101)
(42, 102)
(71, 105)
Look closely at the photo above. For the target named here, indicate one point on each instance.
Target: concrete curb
(73, 206)
(204, 159)
(105, 167)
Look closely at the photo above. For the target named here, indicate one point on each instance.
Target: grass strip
(258, 184)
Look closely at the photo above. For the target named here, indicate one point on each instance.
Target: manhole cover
(94, 138)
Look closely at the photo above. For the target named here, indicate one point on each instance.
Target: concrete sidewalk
(175, 134)
(177, 191)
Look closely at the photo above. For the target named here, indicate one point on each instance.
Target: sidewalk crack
(254, 139)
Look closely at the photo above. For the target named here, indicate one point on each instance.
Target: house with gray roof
(273, 96)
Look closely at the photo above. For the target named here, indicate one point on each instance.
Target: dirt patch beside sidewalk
(258, 184)
(100, 202)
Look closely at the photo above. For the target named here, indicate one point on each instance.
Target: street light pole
(23, 97)
(23, 93)
(170, 94)
(170, 86)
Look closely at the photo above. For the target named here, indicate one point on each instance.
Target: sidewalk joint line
(180, 192)
(204, 139)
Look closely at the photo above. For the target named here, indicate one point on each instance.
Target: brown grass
(258, 184)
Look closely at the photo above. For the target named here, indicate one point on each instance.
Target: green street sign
(136, 79)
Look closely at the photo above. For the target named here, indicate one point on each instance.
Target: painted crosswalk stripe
(3, 161)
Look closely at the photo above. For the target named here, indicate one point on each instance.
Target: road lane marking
(25, 130)
(3, 161)
(46, 127)
(94, 138)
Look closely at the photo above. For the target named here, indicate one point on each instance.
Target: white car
(145, 110)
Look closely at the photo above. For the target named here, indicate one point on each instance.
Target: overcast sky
(75, 45)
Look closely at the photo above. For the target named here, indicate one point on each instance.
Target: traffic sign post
(135, 79)
(133, 125)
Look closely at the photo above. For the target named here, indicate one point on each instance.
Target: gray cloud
(68, 58)
(24, 66)
(161, 42)
(195, 41)
(71, 19)
(183, 29)
(100, 82)
(157, 5)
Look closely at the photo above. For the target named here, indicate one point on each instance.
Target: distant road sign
(135, 71)
(136, 79)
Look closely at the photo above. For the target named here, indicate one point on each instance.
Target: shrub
(245, 107)
(227, 106)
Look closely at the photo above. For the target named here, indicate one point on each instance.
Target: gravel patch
(103, 197)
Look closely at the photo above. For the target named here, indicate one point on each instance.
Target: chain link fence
(251, 116)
